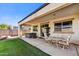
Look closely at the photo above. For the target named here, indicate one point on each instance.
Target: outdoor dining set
(60, 40)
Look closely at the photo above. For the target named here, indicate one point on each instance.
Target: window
(57, 27)
(67, 24)
(26, 28)
(35, 28)
(63, 26)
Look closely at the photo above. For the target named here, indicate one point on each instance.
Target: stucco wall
(76, 28)
(8, 32)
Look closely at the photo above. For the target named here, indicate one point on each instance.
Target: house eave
(42, 11)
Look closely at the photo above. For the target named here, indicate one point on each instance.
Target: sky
(12, 13)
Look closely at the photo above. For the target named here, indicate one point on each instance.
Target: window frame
(62, 26)
(36, 28)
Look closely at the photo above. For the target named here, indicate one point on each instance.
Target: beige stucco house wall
(60, 13)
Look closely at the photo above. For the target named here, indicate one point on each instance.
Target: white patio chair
(65, 42)
(50, 39)
(55, 39)
(46, 38)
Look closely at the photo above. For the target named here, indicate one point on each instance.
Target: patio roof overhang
(48, 8)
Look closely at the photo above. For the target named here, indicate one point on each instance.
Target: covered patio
(52, 49)
(57, 19)
(59, 22)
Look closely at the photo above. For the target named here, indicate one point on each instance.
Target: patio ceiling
(44, 11)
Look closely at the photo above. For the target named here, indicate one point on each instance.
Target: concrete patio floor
(52, 49)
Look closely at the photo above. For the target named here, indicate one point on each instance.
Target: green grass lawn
(18, 47)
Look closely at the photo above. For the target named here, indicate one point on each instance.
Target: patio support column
(20, 31)
(75, 28)
(39, 30)
(51, 25)
(32, 28)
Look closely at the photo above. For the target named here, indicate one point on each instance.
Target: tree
(4, 27)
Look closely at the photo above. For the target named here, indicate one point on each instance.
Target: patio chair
(46, 37)
(65, 42)
(55, 39)
(50, 39)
